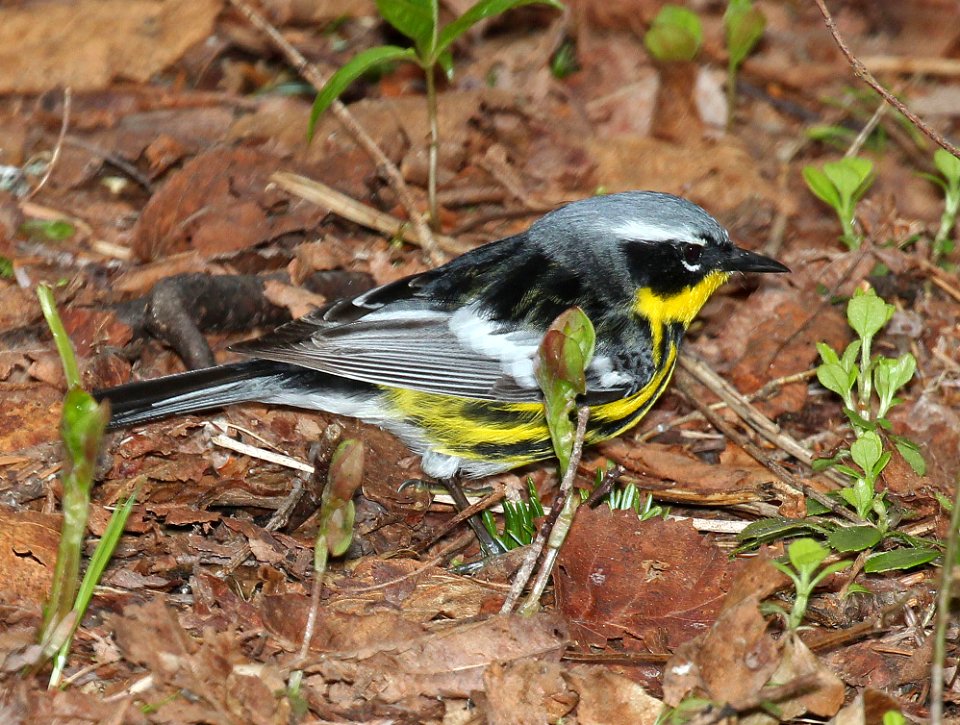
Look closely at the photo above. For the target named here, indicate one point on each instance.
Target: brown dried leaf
(525, 691)
(56, 45)
(619, 577)
(28, 552)
(609, 697)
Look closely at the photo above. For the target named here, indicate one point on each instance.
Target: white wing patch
(459, 353)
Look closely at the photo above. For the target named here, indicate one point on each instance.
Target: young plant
(83, 422)
(841, 184)
(337, 511)
(949, 166)
(418, 20)
(744, 24)
(674, 35)
(867, 386)
(519, 519)
(564, 355)
(806, 556)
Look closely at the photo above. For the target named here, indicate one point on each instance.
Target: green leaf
(899, 560)
(564, 354)
(866, 451)
(417, 19)
(857, 589)
(948, 165)
(850, 176)
(867, 314)
(854, 538)
(675, 34)
(827, 354)
(820, 184)
(49, 230)
(773, 528)
(849, 359)
(894, 717)
(60, 338)
(891, 375)
(911, 454)
(835, 379)
(481, 10)
(351, 70)
(807, 554)
(744, 24)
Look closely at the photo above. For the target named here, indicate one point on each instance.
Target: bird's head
(668, 252)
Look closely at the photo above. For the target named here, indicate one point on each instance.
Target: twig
(566, 508)
(64, 124)
(610, 477)
(454, 521)
(312, 74)
(765, 427)
(762, 393)
(798, 486)
(943, 614)
(861, 72)
(349, 208)
(533, 553)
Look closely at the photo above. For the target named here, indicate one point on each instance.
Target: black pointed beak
(743, 260)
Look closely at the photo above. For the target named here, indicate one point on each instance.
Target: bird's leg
(487, 543)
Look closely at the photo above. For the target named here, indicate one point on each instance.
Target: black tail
(197, 390)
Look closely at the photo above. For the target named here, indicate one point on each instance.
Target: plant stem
(434, 146)
(731, 92)
(943, 613)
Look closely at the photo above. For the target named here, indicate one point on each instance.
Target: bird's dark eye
(691, 253)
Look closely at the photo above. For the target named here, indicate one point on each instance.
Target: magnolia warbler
(445, 359)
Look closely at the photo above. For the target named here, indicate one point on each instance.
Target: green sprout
(841, 184)
(744, 24)
(82, 426)
(867, 385)
(949, 167)
(418, 20)
(674, 35)
(805, 556)
(337, 510)
(562, 360)
(519, 519)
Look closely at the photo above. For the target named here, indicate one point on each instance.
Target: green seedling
(418, 20)
(83, 422)
(744, 24)
(519, 520)
(867, 385)
(674, 35)
(949, 167)
(564, 62)
(841, 184)
(562, 359)
(47, 230)
(337, 510)
(565, 353)
(805, 557)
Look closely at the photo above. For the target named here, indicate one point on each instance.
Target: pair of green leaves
(418, 20)
(841, 184)
(337, 510)
(676, 33)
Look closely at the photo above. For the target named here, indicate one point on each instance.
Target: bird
(446, 359)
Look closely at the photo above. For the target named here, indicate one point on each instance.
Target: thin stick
(312, 74)
(861, 72)
(64, 124)
(566, 507)
(943, 614)
(794, 483)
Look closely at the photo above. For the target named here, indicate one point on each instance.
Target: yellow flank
(681, 307)
(623, 410)
(514, 433)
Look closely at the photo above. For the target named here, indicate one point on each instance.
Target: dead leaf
(56, 44)
(526, 692)
(609, 697)
(28, 552)
(644, 582)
